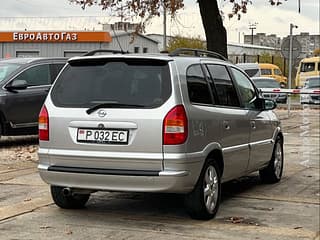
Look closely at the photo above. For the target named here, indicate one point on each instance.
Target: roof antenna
(114, 32)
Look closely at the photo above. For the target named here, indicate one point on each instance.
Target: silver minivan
(155, 123)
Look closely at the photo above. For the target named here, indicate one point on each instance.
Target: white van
(252, 69)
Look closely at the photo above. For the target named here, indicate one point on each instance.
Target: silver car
(313, 84)
(267, 82)
(155, 123)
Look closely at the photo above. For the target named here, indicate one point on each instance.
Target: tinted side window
(227, 95)
(265, 71)
(198, 88)
(55, 69)
(246, 89)
(36, 76)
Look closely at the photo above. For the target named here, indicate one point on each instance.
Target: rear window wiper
(112, 105)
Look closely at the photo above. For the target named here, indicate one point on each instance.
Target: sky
(61, 15)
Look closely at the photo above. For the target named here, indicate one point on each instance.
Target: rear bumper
(117, 180)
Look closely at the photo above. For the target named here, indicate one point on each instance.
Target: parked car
(273, 71)
(24, 85)
(155, 123)
(267, 82)
(252, 69)
(311, 83)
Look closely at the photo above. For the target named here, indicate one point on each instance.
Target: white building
(132, 42)
(240, 52)
(159, 38)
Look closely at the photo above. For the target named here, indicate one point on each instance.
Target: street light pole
(252, 26)
(290, 64)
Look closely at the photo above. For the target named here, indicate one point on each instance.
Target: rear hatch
(313, 84)
(108, 113)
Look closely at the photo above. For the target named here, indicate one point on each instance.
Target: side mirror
(269, 104)
(263, 104)
(17, 85)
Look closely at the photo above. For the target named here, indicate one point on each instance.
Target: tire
(74, 201)
(273, 172)
(203, 202)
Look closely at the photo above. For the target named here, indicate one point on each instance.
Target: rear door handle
(253, 124)
(226, 125)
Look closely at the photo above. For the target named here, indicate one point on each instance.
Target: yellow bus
(307, 67)
(273, 71)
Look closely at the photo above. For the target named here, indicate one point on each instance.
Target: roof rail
(197, 53)
(93, 52)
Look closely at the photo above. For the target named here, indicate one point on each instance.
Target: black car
(24, 85)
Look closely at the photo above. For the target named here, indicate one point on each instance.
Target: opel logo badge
(102, 113)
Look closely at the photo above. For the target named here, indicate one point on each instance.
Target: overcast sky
(55, 15)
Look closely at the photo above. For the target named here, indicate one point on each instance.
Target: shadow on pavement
(18, 141)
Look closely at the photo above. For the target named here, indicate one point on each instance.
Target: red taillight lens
(44, 124)
(175, 126)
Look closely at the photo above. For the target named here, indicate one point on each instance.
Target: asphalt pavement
(249, 209)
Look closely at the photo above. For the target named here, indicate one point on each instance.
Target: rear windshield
(263, 83)
(6, 69)
(252, 72)
(130, 82)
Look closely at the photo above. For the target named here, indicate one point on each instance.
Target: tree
(216, 34)
(316, 52)
(183, 42)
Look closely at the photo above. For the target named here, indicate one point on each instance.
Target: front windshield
(277, 72)
(308, 67)
(6, 69)
(266, 83)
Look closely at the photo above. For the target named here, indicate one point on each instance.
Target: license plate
(103, 136)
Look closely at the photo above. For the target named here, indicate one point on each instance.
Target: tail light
(44, 124)
(175, 126)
